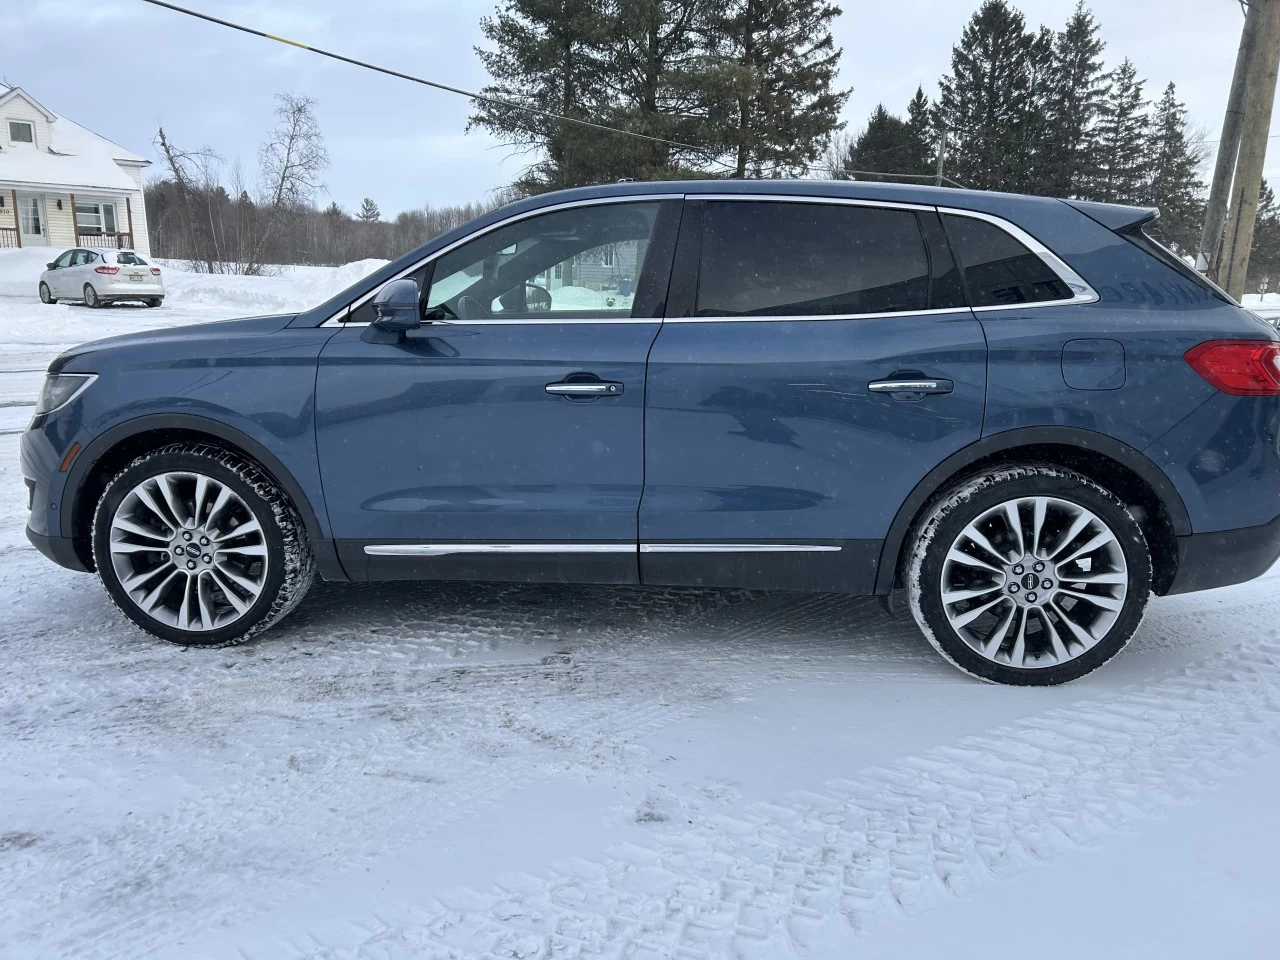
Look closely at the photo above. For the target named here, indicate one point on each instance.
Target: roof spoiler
(1116, 216)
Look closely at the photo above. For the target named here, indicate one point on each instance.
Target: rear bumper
(128, 291)
(58, 549)
(1208, 560)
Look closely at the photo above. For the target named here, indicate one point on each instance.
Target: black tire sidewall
(262, 511)
(1066, 486)
(91, 297)
(46, 295)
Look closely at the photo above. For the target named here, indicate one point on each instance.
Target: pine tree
(1121, 172)
(921, 127)
(1264, 260)
(1175, 185)
(368, 211)
(989, 102)
(776, 64)
(1076, 88)
(546, 56)
(333, 210)
(887, 145)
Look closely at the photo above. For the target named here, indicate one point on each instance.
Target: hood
(191, 336)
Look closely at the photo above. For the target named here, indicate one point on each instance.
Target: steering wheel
(469, 308)
(536, 299)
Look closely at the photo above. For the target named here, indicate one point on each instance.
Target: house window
(606, 256)
(22, 131)
(94, 217)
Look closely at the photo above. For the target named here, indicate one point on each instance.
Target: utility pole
(1253, 149)
(942, 157)
(1215, 219)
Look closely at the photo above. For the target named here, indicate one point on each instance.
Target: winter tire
(91, 298)
(46, 295)
(198, 547)
(1029, 575)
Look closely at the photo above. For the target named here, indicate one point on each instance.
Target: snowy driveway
(416, 770)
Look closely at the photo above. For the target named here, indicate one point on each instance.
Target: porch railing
(9, 238)
(98, 239)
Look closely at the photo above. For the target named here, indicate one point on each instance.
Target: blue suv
(1020, 414)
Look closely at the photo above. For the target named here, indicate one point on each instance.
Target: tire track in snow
(813, 868)
(560, 710)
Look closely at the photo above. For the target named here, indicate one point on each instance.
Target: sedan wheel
(91, 298)
(198, 547)
(1029, 575)
(46, 295)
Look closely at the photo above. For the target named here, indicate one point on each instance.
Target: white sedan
(99, 277)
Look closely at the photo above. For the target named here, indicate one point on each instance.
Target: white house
(62, 185)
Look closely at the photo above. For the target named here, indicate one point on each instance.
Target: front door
(504, 438)
(35, 231)
(822, 362)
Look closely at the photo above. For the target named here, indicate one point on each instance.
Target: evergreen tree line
(1038, 111)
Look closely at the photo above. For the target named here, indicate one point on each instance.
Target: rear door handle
(915, 385)
(585, 388)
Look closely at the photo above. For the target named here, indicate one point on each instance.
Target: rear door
(504, 439)
(818, 359)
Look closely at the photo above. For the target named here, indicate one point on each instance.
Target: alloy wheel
(188, 551)
(1034, 582)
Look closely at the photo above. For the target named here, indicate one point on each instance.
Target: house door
(35, 231)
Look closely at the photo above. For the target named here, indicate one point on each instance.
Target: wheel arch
(113, 450)
(1122, 469)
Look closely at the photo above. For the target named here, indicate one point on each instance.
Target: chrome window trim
(1083, 293)
(335, 321)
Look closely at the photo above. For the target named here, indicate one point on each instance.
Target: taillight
(155, 271)
(1244, 368)
(106, 269)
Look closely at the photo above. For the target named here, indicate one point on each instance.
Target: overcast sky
(123, 67)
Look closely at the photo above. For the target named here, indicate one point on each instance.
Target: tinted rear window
(783, 259)
(130, 259)
(998, 269)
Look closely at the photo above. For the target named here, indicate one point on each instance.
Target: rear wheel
(46, 295)
(198, 547)
(1029, 575)
(155, 301)
(91, 298)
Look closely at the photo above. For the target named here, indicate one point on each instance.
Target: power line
(483, 98)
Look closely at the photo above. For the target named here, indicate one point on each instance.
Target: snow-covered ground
(427, 771)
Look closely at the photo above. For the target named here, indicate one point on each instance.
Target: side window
(998, 269)
(64, 261)
(580, 263)
(81, 258)
(779, 259)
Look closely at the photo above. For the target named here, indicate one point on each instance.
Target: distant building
(64, 186)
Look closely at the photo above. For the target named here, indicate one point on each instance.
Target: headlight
(60, 389)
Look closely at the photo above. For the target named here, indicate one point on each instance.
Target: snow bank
(291, 288)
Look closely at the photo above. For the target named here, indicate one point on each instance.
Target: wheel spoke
(978, 537)
(1105, 602)
(250, 550)
(184, 611)
(148, 603)
(161, 514)
(165, 483)
(138, 579)
(249, 526)
(1105, 577)
(1081, 521)
(202, 488)
(955, 596)
(137, 529)
(958, 556)
(223, 498)
(1038, 511)
(228, 591)
(1014, 519)
(1018, 655)
(1055, 640)
(996, 638)
(966, 618)
(1079, 633)
(206, 610)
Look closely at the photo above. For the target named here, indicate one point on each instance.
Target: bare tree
(195, 176)
(289, 167)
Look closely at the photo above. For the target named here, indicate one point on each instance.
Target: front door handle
(585, 388)
(915, 386)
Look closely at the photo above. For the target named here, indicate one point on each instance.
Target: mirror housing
(397, 310)
(51, 265)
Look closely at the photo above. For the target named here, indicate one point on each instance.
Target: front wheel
(91, 298)
(198, 547)
(1029, 575)
(46, 295)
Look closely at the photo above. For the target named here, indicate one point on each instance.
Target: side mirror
(51, 265)
(396, 310)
